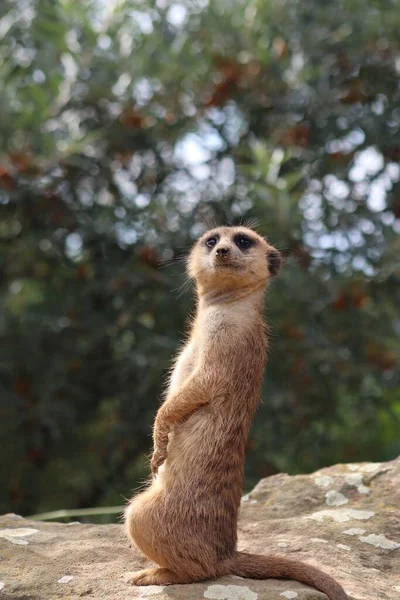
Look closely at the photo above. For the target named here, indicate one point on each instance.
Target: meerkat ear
(274, 262)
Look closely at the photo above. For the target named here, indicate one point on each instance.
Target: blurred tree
(126, 129)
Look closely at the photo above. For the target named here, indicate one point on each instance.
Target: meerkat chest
(184, 366)
(222, 324)
(215, 328)
(194, 353)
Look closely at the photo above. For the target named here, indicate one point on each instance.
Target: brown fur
(186, 520)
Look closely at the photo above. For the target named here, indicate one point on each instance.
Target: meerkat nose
(224, 251)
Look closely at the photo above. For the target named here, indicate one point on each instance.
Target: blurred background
(126, 129)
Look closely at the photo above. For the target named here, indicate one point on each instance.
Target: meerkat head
(231, 258)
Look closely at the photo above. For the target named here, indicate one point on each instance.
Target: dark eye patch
(211, 241)
(243, 242)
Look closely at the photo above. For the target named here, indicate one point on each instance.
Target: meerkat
(186, 520)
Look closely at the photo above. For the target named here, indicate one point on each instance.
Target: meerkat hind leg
(157, 576)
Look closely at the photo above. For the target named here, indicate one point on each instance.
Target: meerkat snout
(222, 252)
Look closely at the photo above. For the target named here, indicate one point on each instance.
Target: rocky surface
(344, 519)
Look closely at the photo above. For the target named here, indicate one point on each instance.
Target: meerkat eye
(211, 242)
(243, 242)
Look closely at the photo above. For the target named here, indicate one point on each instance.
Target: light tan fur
(186, 520)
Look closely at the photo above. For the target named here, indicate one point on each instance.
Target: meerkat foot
(156, 577)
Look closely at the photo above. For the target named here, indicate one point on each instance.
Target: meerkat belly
(207, 450)
(196, 493)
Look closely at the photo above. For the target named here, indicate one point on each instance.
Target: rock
(344, 519)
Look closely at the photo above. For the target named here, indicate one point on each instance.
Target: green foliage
(126, 129)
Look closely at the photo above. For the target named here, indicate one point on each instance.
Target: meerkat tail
(257, 566)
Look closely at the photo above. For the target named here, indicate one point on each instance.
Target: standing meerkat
(186, 520)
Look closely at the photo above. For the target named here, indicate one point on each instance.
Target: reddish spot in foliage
(280, 47)
(131, 119)
(355, 93)
(298, 365)
(34, 456)
(359, 300)
(343, 61)
(341, 157)
(391, 153)
(16, 494)
(231, 72)
(396, 207)
(22, 162)
(82, 272)
(6, 180)
(265, 470)
(223, 92)
(23, 387)
(148, 256)
(294, 331)
(298, 135)
(341, 303)
(380, 356)
(73, 314)
(303, 256)
(302, 422)
(124, 445)
(170, 118)
(74, 365)
(250, 445)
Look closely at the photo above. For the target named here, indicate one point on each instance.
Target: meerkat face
(232, 257)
